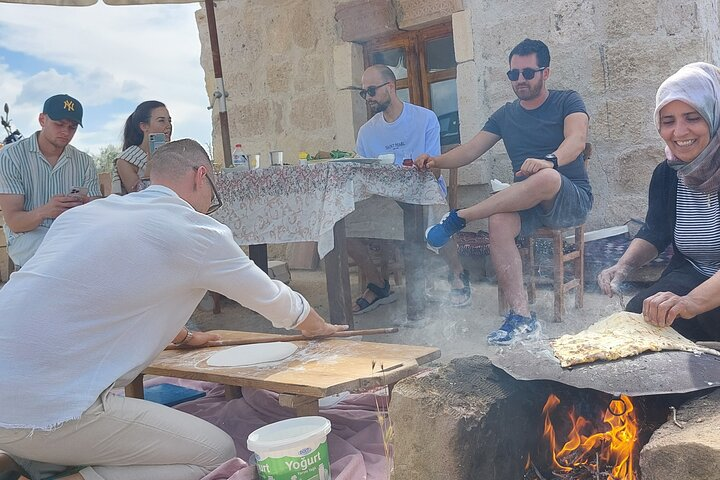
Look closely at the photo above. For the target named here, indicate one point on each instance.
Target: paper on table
(497, 185)
(387, 158)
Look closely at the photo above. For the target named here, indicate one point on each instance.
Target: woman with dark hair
(683, 209)
(129, 170)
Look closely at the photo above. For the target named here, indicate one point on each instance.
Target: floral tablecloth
(303, 203)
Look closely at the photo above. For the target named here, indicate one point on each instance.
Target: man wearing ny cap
(38, 175)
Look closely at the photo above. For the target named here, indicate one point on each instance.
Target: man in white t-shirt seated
(406, 131)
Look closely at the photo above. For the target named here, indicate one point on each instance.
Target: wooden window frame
(413, 42)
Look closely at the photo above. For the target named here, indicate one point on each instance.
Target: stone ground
(458, 332)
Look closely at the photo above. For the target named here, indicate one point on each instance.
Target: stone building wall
(285, 63)
(278, 67)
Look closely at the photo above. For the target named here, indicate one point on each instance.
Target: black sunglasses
(372, 90)
(216, 201)
(527, 73)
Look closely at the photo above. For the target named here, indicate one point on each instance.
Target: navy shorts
(571, 208)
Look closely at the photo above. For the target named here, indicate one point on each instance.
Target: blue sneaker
(513, 326)
(438, 235)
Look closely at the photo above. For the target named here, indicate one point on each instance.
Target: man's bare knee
(547, 182)
(503, 225)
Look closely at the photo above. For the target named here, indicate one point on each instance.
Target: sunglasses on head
(527, 73)
(370, 91)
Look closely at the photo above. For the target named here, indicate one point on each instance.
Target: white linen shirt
(112, 285)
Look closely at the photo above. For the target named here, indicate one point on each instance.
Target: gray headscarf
(698, 85)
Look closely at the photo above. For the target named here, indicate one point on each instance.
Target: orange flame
(585, 445)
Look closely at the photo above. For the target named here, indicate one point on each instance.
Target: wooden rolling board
(317, 369)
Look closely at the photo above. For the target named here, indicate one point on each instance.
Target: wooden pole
(220, 93)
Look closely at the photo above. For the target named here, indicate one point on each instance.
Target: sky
(110, 58)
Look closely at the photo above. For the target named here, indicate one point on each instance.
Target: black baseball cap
(63, 107)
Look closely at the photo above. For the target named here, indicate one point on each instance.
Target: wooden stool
(576, 256)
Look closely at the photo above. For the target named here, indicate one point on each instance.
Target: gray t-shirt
(536, 133)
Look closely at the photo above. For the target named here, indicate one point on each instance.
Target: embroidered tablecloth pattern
(302, 203)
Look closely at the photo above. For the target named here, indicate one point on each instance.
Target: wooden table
(317, 369)
(309, 204)
(337, 275)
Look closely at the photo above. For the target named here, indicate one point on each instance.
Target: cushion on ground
(171, 395)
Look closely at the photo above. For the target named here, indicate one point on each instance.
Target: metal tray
(652, 373)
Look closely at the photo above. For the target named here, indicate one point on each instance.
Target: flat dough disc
(244, 355)
(620, 335)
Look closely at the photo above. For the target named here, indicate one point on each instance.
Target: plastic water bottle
(239, 159)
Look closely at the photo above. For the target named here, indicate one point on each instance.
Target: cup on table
(406, 157)
(254, 161)
(276, 158)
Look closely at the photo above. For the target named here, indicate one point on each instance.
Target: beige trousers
(120, 438)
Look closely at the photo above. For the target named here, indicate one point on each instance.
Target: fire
(588, 449)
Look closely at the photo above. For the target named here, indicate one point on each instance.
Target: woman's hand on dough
(663, 308)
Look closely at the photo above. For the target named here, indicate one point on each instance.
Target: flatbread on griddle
(620, 335)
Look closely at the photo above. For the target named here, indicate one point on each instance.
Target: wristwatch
(551, 157)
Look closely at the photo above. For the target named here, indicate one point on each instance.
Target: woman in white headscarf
(683, 210)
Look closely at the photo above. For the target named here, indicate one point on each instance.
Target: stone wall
(285, 65)
(689, 449)
(278, 65)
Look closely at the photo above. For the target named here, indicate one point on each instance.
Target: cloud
(93, 86)
(111, 59)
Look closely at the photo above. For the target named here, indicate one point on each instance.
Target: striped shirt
(24, 171)
(134, 155)
(697, 228)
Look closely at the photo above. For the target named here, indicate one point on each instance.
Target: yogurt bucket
(293, 449)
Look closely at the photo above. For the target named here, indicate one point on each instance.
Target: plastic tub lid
(287, 432)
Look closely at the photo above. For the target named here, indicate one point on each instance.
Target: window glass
(440, 54)
(393, 58)
(443, 96)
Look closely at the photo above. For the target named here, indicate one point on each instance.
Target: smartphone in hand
(156, 140)
(78, 192)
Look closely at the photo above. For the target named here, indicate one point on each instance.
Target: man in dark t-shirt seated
(544, 133)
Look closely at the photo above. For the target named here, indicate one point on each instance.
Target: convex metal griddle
(651, 373)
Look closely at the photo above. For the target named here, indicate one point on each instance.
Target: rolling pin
(284, 338)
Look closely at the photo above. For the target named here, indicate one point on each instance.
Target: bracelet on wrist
(186, 339)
